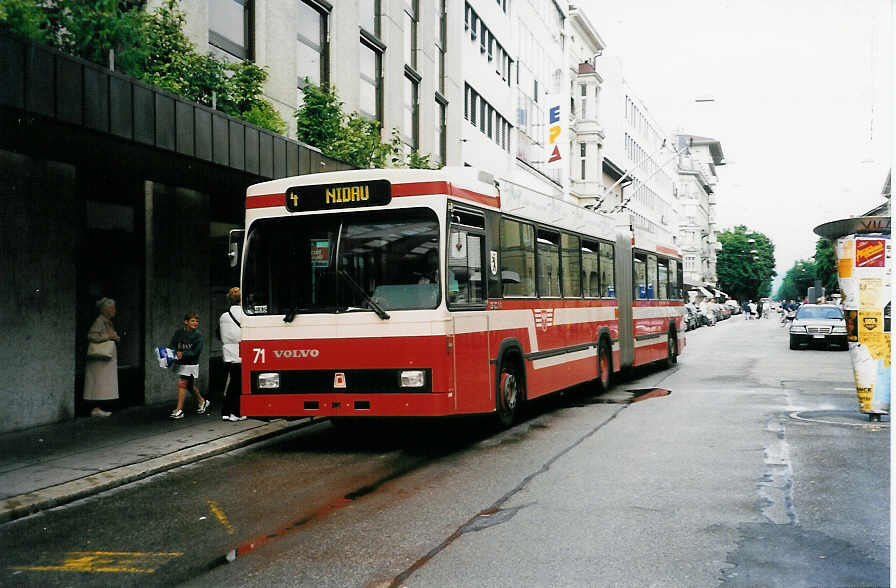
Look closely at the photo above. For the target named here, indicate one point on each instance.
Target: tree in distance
(746, 264)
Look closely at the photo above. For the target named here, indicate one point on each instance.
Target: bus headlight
(268, 380)
(413, 378)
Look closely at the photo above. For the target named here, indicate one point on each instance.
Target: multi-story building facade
(698, 158)
(388, 61)
(470, 82)
(513, 66)
(587, 136)
(638, 145)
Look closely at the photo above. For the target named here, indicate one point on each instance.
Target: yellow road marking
(219, 514)
(122, 562)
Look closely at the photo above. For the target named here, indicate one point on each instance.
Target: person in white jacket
(230, 337)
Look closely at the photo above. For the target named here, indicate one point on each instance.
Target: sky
(802, 106)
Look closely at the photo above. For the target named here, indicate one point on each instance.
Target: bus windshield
(298, 264)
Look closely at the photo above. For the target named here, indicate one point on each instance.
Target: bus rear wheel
(671, 349)
(604, 366)
(509, 394)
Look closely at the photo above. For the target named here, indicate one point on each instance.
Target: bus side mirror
(234, 245)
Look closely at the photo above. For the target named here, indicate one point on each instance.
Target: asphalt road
(754, 470)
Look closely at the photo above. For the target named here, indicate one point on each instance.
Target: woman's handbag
(103, 351)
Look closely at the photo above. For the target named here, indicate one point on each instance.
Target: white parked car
(818, 323)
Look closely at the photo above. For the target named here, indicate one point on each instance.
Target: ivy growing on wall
(351, 138)
(148, 46)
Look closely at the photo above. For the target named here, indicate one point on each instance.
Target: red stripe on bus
(424, 188)
(666, 250)
(266, 201)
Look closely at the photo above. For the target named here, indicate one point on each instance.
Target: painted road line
(219, 514)
(116, 562)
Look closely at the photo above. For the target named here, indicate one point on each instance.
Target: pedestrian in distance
(187, 345)
(752, 310)
(229, 324)
(745, 307)
(101, 372)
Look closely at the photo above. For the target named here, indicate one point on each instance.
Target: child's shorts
(187, 371)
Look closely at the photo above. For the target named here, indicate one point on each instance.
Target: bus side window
(465, 268)
(663, 279)
(590, 269)
(607, 271)
(518, 258)
(651, 277)
(639, 274)
(466, 249)
(674, 288)
(571, 266)
(547, 268)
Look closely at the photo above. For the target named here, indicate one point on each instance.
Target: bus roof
(466, 178)
(474, 185)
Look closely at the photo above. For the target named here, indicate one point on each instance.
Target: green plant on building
(351, 138)
(151, 47)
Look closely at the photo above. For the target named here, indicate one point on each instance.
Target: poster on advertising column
(864, 265)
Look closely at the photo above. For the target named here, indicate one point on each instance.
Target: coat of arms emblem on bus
(493, 262)
(544, 318)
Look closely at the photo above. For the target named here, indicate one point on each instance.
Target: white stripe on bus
(565, 358)
(640, 312)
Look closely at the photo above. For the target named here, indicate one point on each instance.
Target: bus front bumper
(347, 405)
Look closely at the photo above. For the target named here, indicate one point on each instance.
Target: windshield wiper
(376, 307)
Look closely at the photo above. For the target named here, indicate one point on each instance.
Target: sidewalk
(54, 464)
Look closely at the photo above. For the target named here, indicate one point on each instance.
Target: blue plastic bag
(166, 356)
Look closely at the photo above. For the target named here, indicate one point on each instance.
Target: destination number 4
(259, 354)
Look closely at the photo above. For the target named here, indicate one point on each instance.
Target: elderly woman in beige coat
(101, 375)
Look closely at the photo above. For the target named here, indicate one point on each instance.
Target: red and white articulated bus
(399, 293)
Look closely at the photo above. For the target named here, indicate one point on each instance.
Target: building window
(472, 107)
(410, 128)
(230, 27)
(583, 158)
(440, 46)
(370, 104)
(584, 109)
(441, 134)
(311, 45)
(370, 16)
(410, 33)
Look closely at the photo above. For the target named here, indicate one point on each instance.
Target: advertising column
(864, 270)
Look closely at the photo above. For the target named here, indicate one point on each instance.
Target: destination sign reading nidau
(338, 196)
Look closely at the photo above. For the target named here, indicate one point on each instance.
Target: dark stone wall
(38, 261)
(177, 278)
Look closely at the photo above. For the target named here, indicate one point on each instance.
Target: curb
(23, 505)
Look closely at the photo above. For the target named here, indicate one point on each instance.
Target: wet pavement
(55, 464)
